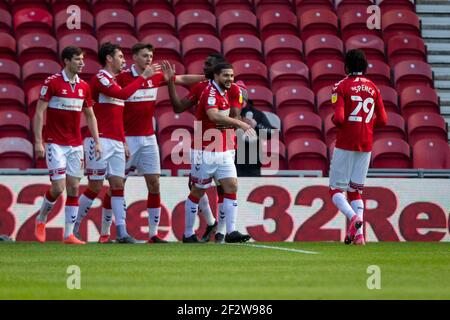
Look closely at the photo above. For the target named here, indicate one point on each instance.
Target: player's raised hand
(39, 150)
(168, 70)
(151, 70)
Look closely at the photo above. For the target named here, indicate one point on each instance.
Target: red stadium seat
(32, 96)
(379, 72)
(307, 154)
(399, 22)
(276, 150)
(163, 104)
(292, 99)
(16, 153)
(305, 5)
(354, 22)
(324, 105)
(424, 125)
(395, 128)
(182, 5)
(100, 5)
(169, 121)
(86, 42)
(390, 98)
(251, 72)
(263, 6)
(32, 20)
(372, 46)
(9, 72)
(261, 96)
(86, 23)
(330, 131)
(166, 46)
(386, 6)
(238, 47)
(91, 68)
(62, 5)
(144, 5)
(288, 73)
(37, 46)
(317, 21)
(7, 47)
(155, 21)
(282, 47)
(34, 72)
(391, 153)
(323, 47)
(5, 21)
(412, 73)
(14, 124)
(236, 5)
(198, 47)
(326, 74)
(11, 98)
(175, 150)
(114, 21)
(301, 124)
(196, 21)
(344, 6)
(17, 5)
(236, 22)
(125, 41)
(431, 154)
(278, 22)
(274, 120)
(406, 47)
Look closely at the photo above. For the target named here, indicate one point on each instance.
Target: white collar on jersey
(134, 72)
(66, 78)
(222, 93)
(107, 73)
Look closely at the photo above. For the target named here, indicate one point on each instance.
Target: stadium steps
(435, 17)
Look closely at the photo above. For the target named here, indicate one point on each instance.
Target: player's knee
(230, 188)
(95, 186)
(117, 183)
(57, 188)
(153, 184)
(197, 193)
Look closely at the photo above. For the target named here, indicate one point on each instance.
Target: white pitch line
(277, 248)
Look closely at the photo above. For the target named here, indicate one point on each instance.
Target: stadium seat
(293, 98)
(386, 5)
(32, 97)
(326, 74)
(86, 42)
(275, 149)
(182, 5)
(390, 98)
(163, 104)
(288, 73)
(305, 5)
(399, 22)
(391, 154)
(263, 6)
(155, 21)
(406, 47)
(239, 47)
(329, 130)
(17, 5)
(86, 24)
(324, 105)
(175, 150)
(195, 22)
(261, 96)
(198, 47)
(282, 47)
(394, 128)
(169, 121)
(144, 5)
(237, 22)
(323, 47)
(301, 124)
(235, 5)
(317, 21)
(34, 72)
(251, 72)
(274, 119)
(416, 99)
(125, 41)
(354, 22)
(90, 69)
(32, 20)
(37, 46)
(113, 22)
(16, 153)
(14, 124)
(100, 5)
(379, 72)
(425, 125)
(431, 154)
(278, 22)
(412, 73)
(5, 21)
(372, 46)
(11, 98)
(166, 46)
(307, 154)
(9, 72)
(7, 46)
(344, 6)
(62, 5)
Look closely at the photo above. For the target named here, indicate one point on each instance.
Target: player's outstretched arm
(215, 116)
(179, 105)
(188, 79)
(38, 122)
(93, 128)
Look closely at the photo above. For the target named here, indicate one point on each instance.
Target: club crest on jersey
(334, 98)
(211, 101)
(80, 92)
(150, 83)
(44, 90)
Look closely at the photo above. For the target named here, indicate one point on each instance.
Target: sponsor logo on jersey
(80, 92)
(63, 91)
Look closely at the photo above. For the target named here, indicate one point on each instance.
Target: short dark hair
(107, 49)
(220, 66)
(355, 61)
(69, 52)
(139, 46)
(218, 56)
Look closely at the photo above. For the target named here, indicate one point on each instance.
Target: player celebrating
(214, 159)
(109, 111)
(64, 95)
(358, 108)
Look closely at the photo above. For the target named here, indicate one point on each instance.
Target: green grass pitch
(211, 271)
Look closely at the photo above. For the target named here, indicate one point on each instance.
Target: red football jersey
(212, 97)
(234, 94)
(140, 107)
(109, 97)
(358, 108)
(65, 103)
